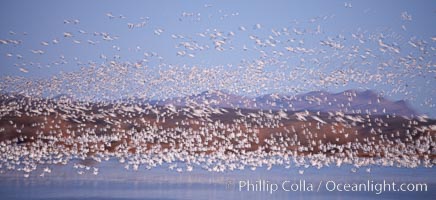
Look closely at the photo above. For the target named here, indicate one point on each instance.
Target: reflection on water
(113, 182)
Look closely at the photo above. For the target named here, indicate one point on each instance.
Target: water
(114, 182)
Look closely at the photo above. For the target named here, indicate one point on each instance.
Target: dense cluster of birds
(57, 131)
(112, 108)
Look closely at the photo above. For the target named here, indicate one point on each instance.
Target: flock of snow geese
(112, 109)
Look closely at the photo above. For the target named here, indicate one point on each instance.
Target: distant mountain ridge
(349, 101)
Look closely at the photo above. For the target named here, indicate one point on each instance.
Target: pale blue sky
(43, 21)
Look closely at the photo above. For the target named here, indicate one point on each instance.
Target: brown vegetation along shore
(50, 131)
